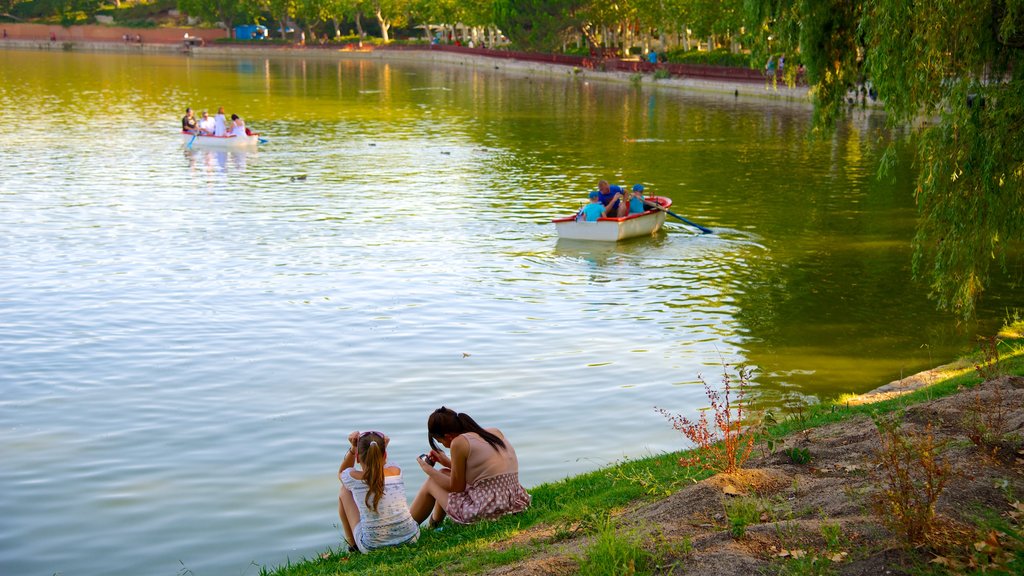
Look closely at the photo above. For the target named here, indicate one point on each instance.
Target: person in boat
(371, 501)
(188, 122)
(478, 481)
(591, 212)
(220, 123)
(237, 126)
(637, 204)
(206, 124)
(611, 196)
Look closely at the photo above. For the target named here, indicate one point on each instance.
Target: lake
(187, 336)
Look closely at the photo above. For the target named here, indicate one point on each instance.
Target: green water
(188, 335)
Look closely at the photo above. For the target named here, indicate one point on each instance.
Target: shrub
(984, 422)
(913, 474)
(720, 57)
(725, 445)
(988, 367)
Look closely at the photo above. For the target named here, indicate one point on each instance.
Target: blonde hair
(371, 454)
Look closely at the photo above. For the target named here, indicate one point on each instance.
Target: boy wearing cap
(636, 202)
(591, 212)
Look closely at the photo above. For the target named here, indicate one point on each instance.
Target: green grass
(583, 504)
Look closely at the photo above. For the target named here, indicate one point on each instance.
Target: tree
(226, 11)
(959, 62)
(536, 24)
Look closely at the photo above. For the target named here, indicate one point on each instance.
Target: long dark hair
(371, 455)
(447, 421)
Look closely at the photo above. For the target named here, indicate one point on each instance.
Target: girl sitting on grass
(479, 481)
(371, 502)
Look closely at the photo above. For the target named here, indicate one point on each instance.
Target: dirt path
(820, 516)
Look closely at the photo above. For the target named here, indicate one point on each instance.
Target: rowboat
(223, 142)
(615, 229)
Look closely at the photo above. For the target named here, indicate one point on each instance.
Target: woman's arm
(350, 457)
(455, 479)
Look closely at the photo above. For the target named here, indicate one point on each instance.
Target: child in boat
(479, 481)
(371, 502)
(591, 212)
(636, 202)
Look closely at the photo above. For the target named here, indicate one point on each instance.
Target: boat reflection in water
(214, 161)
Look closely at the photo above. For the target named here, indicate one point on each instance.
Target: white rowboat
(615, 229)
(223, 142)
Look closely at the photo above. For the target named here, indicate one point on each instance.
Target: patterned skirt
(488, 499)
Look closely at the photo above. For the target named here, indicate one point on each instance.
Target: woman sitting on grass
(371, 502)
(479, 481)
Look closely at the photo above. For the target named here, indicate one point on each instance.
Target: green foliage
(832, 533)
(742, 512)
(961, 62)
(720, 57)
(613, 553)
(536, 24)
(797, 455)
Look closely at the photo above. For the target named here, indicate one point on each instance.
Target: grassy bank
(586, 509)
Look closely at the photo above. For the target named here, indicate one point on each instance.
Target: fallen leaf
(730, 490)
(838, 557)
(764, 517)
(798, 553)
(940, 560)
(783, 553)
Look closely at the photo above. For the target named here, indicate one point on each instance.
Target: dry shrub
(912, 474)
(988, 368)
(722, 446)
(984, 421)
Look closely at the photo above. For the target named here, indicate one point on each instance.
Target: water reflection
(212, 161)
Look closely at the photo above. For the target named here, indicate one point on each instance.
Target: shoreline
(735, 88)
(805, 498)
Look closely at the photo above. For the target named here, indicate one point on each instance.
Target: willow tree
(953, 71)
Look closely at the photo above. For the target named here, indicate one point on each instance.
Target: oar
(702, 229)
(192, 140)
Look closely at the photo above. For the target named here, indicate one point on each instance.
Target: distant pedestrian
(769, 67)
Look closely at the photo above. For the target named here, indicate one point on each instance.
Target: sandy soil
(800, 503)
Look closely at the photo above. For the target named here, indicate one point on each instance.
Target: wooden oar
(657, 206)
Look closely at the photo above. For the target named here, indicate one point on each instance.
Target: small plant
(984, 421)
(613, 553)
(799, 563)
(913, 474)
(742, 512)
(797, 455)
(725, 445)
(662, 74)
(651, 484)
(636, 79)
(832, 533)
(988, 367)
